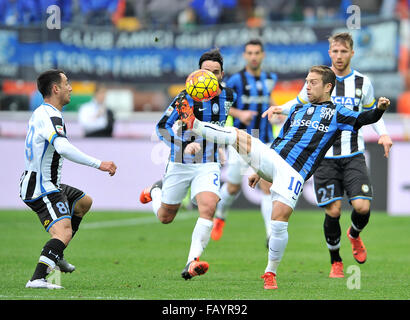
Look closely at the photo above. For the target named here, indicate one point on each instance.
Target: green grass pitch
(130, 255)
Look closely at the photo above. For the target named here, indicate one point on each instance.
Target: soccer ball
(202, 85)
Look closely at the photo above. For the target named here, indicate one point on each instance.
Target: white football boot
(42, 284)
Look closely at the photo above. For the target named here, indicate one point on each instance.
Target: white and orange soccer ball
(202, 85)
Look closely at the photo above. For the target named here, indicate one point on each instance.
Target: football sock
(332, 233)
(215, 133)
(200, 238)
(51, 253)
(266, 209)
(156, 196)
(359, 221)
(277, 244)
(75, 223)
(225, 203)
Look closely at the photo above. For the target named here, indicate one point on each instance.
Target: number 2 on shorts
(216, 180)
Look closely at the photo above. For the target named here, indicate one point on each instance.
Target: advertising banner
(162, 55)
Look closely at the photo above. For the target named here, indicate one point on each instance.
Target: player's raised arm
(372, 116)
(282, 109)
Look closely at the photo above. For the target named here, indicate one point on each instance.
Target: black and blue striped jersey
(254, 94)
(309, 131)
(214, 111)
(355, 92)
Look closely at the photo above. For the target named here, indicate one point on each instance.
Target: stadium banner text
(164, 55)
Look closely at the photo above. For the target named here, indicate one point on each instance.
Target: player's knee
(207, 210)
(166, 219)
(83, 206)
(333, 210)
(361, 207)
(166, 215)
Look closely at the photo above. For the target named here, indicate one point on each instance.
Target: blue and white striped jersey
(254, 94)
(309, 131)
(214, 111)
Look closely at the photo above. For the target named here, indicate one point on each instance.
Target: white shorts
(287, 183)
(237, 167)
(199, 176)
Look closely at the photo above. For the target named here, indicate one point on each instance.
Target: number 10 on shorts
(295, 187)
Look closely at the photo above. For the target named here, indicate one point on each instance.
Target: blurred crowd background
(27, 46)
(136, 14)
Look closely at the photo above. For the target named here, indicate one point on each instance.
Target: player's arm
(53, 130)
(384, 139)
(353, 121)
(68, 151)
(369, 102)
(286, 107)
(374, 115)
(244, 116)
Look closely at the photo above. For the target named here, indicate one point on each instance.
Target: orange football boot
(218, 229)
(337, 270)
(269, 281)
(358, 248)
(195, 268)
(145, 195)
(185, 111)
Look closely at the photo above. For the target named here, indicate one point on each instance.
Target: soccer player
(344, 167)
(253, 87)
(309, 131)
(193, 162)
(59, 207)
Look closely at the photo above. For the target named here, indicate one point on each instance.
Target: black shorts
(56, 205)
(334, 177)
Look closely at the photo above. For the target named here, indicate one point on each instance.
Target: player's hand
(246, 116)
(253, 180)
(192, 148)
(271, 111)
(387, 143)
(108, 166)
(383, 103)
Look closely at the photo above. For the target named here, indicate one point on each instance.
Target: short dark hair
(255, 42)
(328, 76)
(213, 55)
(46, 80)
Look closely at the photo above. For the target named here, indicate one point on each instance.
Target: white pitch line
(134, 221)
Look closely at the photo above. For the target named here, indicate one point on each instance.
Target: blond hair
(343, 37)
